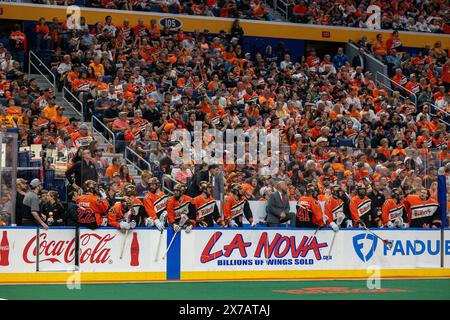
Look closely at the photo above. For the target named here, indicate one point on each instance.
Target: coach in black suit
(358, 60)
(204, 175)
(278, 207)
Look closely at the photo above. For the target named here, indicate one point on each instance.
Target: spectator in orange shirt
(113, 168)
(399, 150)
(300, 12)
(98, 68)
(59, 120)
(394, 42)
(43, 37)
(50, 110)
(13, 110)
(399, 78)
(446, 76)
(379, 48)
(261, 13)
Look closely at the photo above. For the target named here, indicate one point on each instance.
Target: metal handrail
(168, 176)
(98, 132)
(50, 73)
(411, 93)
(440, 110)
(164, 177)
(284, 10)
(128, 149)
(70, 103)
(94, 118)
(394, 84)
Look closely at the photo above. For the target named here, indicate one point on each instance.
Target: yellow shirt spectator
(99, 70)
(50, 111)
(7, 120)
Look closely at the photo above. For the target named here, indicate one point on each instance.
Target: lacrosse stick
(332, 242)
(159, 246)
(123, 244)
(183, 220)
(162, 218)
(315, 232)
(170, 245)
(386, 242)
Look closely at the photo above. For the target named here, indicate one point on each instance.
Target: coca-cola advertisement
(4, 249)
(100, 250)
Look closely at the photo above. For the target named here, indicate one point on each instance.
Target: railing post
(287, 10)
(29, 64)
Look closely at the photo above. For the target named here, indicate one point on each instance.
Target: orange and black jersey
(333, 208)
(175, 208)
(206, 210)
(155, 204)
(391, 210)
(234, 209)
(420, 211)
(116, 213)
(91, 210)
(309, 213)
(360, 209)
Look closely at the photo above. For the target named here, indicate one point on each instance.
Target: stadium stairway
(276, 15)
(70, 111)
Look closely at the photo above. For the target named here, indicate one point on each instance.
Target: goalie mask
(90, 186)
(178, 190)
(129, 190)
(205, 187)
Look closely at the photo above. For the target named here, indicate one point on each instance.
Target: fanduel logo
(365, 245)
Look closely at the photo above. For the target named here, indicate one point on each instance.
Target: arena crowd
(407, 15)
(352, 153)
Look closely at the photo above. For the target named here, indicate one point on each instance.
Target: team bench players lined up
(181, 211)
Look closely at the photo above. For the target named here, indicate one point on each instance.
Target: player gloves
(159, 224)
(334, 226)
(398, 222)
(339, 219)
(232, 223)
(189, 229)
(149, 222)
(102, 194)
(124, 225)
(349, 224)
(104, 222)
(132, 224)
(176, 228)
(163, 217)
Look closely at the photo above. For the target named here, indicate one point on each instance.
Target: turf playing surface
(403, 289)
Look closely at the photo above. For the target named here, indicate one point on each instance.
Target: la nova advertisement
(290, 250)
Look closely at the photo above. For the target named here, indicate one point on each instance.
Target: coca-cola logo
(93, 249)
